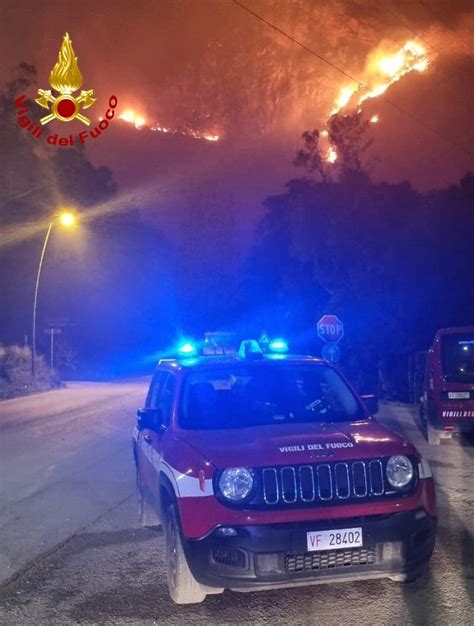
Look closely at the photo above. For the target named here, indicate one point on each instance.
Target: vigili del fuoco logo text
(65, 79)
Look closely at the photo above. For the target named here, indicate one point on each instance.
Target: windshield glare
(251, 395)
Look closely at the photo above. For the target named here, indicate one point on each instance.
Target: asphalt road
(71, 550)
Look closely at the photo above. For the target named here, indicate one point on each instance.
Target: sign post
(264, 340)
(51, 332)
(331, 331)
(331, 352)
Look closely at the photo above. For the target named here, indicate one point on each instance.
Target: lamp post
(66, 219)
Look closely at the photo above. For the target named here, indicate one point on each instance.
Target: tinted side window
(165, 401)
(157, 383)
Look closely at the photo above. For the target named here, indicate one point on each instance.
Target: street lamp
(67, 219)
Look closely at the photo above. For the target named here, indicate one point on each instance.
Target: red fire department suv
(267, 470)
(447, 403)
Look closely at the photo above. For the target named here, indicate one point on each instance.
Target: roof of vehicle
(454, 330)
(202, 361)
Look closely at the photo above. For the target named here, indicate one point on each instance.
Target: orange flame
(133, 118)
(382, 71)
(343, 99)
(140, 123)
(331, 156)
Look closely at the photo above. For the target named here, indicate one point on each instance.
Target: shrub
(15, 372)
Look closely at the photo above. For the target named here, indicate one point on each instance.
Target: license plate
(458, 395)
(334, 539)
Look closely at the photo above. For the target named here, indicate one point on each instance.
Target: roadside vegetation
(15, 373)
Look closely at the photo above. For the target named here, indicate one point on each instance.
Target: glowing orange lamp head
(67, 219)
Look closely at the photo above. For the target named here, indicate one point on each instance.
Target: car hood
(278, 444)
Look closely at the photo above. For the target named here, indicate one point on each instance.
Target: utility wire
(439, 17)
(298, 43)
(347, 75)
(418, 36)
(412, 30)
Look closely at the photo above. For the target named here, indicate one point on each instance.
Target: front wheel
(183, 587)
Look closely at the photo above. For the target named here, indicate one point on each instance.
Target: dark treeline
(394, 264)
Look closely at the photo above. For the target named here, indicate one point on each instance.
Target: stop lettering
(330, 328)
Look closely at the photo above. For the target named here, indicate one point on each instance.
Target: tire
(409, 578)
(399, 578)
(146, 514)
(183, 587)
(432, 435)
(423, 420)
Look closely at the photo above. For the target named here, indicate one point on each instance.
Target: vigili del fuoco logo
(65, 79)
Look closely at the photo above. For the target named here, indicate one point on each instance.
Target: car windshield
(266, 393)
(458, 358)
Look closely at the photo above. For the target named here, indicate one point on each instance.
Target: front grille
(229, 557)
(331, 559)
(325, 483)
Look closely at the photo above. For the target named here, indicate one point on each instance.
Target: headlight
(399, 471)
(236, 483)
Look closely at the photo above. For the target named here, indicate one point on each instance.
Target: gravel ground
(111, 571)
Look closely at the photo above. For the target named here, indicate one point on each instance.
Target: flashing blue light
(187, 349)
(249, 349)
(275, 356)
(278, 345)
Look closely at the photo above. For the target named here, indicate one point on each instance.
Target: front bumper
(451, 426)
(273, 555)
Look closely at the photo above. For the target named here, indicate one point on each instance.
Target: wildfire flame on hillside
(331, 156)
(133, 118)
(382, 71)
(140, 123)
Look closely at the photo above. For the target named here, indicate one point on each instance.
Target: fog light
(226, 531)
(392, 551)
(420, 514)
(267, 563)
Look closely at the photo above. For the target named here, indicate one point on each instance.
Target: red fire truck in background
(447, 403)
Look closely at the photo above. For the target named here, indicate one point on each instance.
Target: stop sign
(330, 328)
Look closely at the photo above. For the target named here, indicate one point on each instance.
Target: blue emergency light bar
(249, 348)
(278, 345)
(187, 349)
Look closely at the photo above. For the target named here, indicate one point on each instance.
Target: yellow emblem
(65, 78)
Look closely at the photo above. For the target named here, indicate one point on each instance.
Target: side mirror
(150, 419)
(371, 403)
